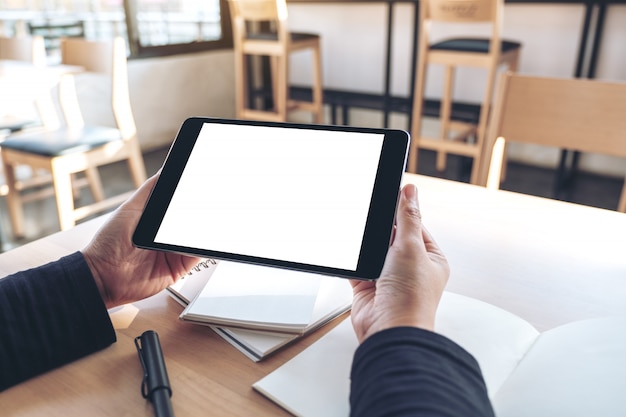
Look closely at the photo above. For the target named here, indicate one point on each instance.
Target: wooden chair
(76, 147)
(26, 49)
(458, 137)
(23, 48)
(277, 43)
(575, 114)
(29, 49)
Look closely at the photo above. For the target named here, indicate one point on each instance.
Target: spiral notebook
(255, 336)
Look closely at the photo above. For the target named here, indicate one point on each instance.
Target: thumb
(408, 216)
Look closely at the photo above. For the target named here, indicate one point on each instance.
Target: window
(151, 27)
(159, 26)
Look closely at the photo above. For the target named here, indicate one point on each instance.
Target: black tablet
(307, 197)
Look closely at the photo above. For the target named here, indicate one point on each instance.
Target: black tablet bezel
(380, 218)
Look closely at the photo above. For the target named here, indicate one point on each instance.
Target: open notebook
(575, 370)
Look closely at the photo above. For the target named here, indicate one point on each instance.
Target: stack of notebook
(259, 309)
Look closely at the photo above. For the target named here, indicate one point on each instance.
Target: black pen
(155, 385)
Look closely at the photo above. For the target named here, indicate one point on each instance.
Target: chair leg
(317, 85)
(62, 182)
(504, 164)
(476, 164)
(240, 84)
(495, 164)
(137, 166)
(416, 117)
(513, 65)
(445, 114)
(486, 106)
(481, 129)
(281, 92)
(14, 200)
(273, 79)
(95, 184)
(621, 206)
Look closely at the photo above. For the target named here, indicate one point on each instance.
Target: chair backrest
(23, 48)
(456, 11)
(248, 14)
(260, 10)
(575, 114)
(93, 56)
(103, 57)
(462, 11)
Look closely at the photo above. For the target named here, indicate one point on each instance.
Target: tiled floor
(587, 189)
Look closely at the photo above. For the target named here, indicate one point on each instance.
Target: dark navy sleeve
(408, 371)
(49, 316)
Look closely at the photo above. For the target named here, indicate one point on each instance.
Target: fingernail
(410, 191)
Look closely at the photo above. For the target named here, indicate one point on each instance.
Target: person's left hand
(124, 273)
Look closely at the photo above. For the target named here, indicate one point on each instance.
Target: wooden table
(547, 261)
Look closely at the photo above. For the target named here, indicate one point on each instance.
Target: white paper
(255, 344)
(496, 338)
(575, 370)
(241, 294)
(316, 382)
(334, 298)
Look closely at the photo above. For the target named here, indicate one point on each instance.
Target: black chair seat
(273, 36)
(62, 141)
(14, 125)
(477, 45)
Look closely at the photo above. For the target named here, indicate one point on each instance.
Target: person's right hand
(412, 281)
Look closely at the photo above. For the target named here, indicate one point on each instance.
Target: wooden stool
(276, 43)
(456, 137)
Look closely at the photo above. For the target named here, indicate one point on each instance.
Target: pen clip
(144, 382)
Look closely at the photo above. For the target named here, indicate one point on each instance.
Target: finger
(430, 243)
(408, 217)
(360, 285)
(140, 197)
(393, 235)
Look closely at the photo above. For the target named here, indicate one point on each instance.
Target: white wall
(164, 91)
(353, 54)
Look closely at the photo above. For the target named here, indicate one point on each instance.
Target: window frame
(139, 51)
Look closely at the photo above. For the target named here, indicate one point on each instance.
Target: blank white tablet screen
(281, 193)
